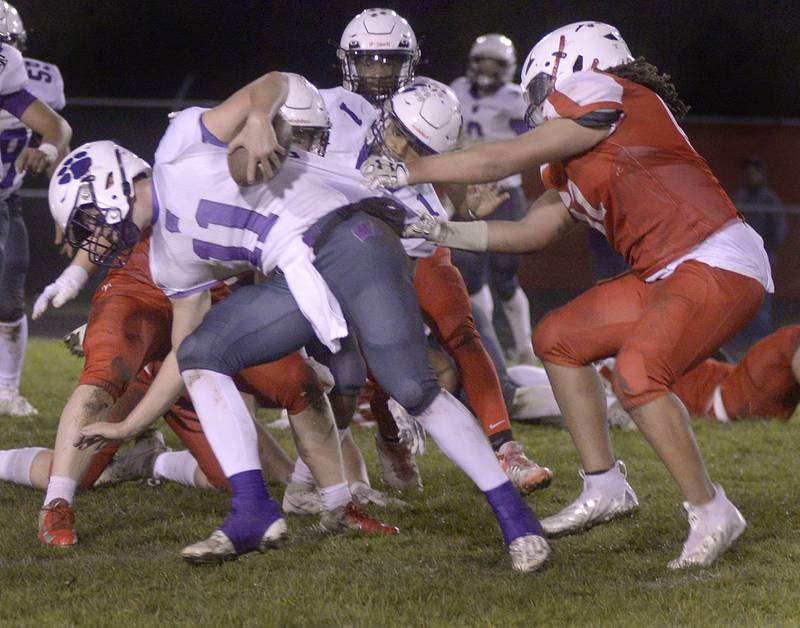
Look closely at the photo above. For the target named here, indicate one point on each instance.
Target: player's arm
(167, 387)
(555, 140)
(67, 286)
(55, 133)
(546, 220)
(245, 119)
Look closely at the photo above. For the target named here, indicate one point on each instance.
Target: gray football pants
(367, 270)
(14, 259)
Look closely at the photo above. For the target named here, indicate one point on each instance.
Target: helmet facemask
(488, 73)
(376, 75)
(313, 139)
(389, 120)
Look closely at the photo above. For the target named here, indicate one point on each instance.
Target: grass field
(448, 566)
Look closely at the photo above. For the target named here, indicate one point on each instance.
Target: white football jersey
(208, 228)
(44, 82)
(499, 116)
(351, 120)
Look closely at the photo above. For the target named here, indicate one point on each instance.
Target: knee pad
(196, 352)
(414, 396)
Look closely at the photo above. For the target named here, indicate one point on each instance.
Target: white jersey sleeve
(351, 120)
(45, 82)
(590, 98)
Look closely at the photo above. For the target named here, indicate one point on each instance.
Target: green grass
(447, 567)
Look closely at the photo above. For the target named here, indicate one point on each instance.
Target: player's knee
(635, 381)
(197, 352)
(549, 343)
(414, 395)
(506, 285)
(12, 307)
(302, 389)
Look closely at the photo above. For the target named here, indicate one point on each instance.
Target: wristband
(50, 151)
(470, 236)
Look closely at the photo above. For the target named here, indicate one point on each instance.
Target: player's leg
(124, 333)
(446, 308)
(27, 466)
(13, 322)
(503, 271)
(686, 317)
(474, 268)
(367, 270)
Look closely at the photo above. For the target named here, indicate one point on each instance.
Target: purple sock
(515, 517)
(252, 511)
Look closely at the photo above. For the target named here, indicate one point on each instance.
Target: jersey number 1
(239, 218)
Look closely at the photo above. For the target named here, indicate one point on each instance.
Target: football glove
(63, 289)
(381, 171)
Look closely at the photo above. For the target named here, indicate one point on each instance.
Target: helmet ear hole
(578, 65)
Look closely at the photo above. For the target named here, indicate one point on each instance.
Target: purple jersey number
(12, 143)
(240, 218)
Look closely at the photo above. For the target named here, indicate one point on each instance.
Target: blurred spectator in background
(762, 209)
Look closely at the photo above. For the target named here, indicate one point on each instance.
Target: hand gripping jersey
(498, 116)
(644, 186)
(16, 94)
(208, 228)
(349, 145)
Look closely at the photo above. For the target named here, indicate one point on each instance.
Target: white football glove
(381, 171)
(63, 289)
(412, 434)
(428, 227)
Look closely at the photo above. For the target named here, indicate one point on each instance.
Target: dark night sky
(733, 58)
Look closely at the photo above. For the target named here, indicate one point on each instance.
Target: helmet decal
(74, 168)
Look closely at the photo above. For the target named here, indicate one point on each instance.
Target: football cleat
(594, 506)
(351, 517)
(398, 465)
(14, 404)
(299, 500)
(74, 340)
(525, 474)
(57, 524)
(710, 532)
(218, 547)
(364, 495)
(137, 462)
(529, 552)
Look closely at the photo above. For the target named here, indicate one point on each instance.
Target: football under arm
(263, 97)
(167, 387)
(555, 140)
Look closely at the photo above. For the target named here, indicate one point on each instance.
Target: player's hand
(101, 433)
(263, 150)
(412, 434)
(380, 171)
(481, 200)
(63, 289)
(428, 227)
(32, 160)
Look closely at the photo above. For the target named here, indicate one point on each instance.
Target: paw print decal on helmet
(74, 168)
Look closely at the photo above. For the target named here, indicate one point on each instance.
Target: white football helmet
(305, 110)
(498, 48)
(14, 26)
(572, 48)
(91, 196)
(428, 114)
(378, 52)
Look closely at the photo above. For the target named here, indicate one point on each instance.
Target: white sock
(335, 496)
(457, 434)
(15, 464)
(13, 340)
(302, 475)
(176, 466)
(61, 487)
(518, 312)
(226, 421)
(612, 481)
(482, 300)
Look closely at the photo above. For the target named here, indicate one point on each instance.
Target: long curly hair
(644, 73)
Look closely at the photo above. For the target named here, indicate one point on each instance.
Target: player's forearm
(53, 129)
(267, 94)
(480, 164)
(166, 388)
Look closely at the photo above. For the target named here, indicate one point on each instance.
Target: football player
(493, 109)
(612, 155)
(337, 247)
(30, 91)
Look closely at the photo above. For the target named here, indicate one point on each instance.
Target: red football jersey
(644, 186)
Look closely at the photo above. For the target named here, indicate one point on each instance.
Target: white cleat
(712, 530)
(364, 495)
(300, 500)
(74, 340)
(600, 501)
(529, 552)
(14, 404)
(137, 462)
(218, 547)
